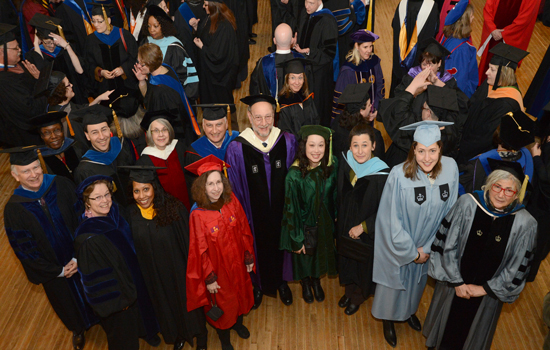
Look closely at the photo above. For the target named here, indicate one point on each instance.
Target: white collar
(213, 142)
(282, 52)
(162, 154)
(320, 7)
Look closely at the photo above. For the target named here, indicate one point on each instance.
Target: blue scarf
(105, 158)
(204, 147)
(163, 43)
(51, 54)
(111, 38)
(47, 151)
(370, 167)
(46, 182)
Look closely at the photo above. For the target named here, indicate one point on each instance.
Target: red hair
(218, 12)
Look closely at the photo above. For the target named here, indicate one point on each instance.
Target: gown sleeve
(132, 51)
(246, 236)
(380, 86)
(325, 51)
(292, 228)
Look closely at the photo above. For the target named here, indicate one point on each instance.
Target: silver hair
(130, 126)
(164, 123)
(496, 176)
(12, 168)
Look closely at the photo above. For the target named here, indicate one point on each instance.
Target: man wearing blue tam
(417, 196)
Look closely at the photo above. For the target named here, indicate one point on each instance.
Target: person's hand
(419, 83)
(107, 74)
(138, 73)
(70, 269)
(463, 291)
(294, 40)
(117, 72)
(356, 231)
(476, 291)
(249, 267)
(198, 42)
(194, 22)
(535, 150)
(36, 41)
(31, 68)
(423, 256)
(58, 40)
(301, 251)
(104, 96)
(298, 49)
(284, 2)
(497, 34)
(372, 116)
(213, 287)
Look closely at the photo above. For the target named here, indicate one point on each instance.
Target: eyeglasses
(258, 118)
(17, 48)
(48, 133)
(100, 198)
(161, 131)
(507, 192)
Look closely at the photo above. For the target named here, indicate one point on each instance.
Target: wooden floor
(28, 322)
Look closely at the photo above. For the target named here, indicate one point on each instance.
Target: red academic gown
(516, 17)
(218, 242)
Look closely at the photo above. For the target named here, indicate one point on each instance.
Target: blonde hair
(462, 27)
(498, 175)
(353, 55)
(507, 77)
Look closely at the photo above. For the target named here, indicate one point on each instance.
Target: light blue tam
(427, 131)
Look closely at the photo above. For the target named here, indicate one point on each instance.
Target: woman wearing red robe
(511, 21)
(221, 251)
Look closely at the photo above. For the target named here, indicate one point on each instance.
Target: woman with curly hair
(160, 31)
(310, 210)
(221, 252)
(160, 230)
(297, 107)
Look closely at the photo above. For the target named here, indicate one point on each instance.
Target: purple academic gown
(263, 175)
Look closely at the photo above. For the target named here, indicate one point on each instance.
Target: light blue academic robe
(409, 215)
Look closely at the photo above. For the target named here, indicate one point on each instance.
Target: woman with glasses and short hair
(481, 258)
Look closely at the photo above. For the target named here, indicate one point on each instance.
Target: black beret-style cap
(517, 130)
(434, 47)
(21, 155)
(144, 174)
(6, 33)
(251, 100)
(45, 24)
(507, 56)
(151, 116)
(444, 98)
(513, 168)
(155, 11)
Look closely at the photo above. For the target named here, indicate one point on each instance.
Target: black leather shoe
(414, 322)
(242, 331)
(79, 340)
(318, 290)
(285, 294)
(389, 333)
(179, 344)
(306, 290)
(153, 341)
(351, 309)
(344, 301)
(251, 42)
(253, 35)
(258, 297)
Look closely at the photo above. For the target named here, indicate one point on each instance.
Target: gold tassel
(330, 150)
(117, 125)
(225, 168)
(228, 122)
(109, 26)
(69, 125)
(59, 29)
(523, 189)
(42, 163)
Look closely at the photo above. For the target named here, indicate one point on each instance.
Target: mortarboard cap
(155, 11)
(45, 24)
(214, 111)
(6, 33)
(100, 9)
(208, 163)
(426, 132)
(144, 174)
(456, 12)
(251, 100)
(47, 119)
(153, 2)
(294, 65)
(507, 56)
(125, 106)
(513, 168)
(442, 98)
(88, 181)
(354, 96)
(151, 116)
(364, 36)
(434, 47)
(47, 81)
(92, 115)
(22, 155)
(517, 130)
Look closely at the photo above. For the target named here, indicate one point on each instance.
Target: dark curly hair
(167, 28)
(198, 190)
(167, 207)
(348, 120)
(303, 161)
(58, 95)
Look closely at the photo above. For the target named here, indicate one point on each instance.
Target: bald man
(267, 78)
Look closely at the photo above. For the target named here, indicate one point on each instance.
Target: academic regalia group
(137, 215)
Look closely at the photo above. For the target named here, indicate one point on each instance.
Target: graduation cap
(426, 132)
(155, 11)
(125, 106)
(513, 168)
(150, 116)
(441, 99)
(364, 36)
(45, 25)
(456, 12)
(25, 155)
(144, 174)
(252, 100)
(435, 48)
(215, 111)
(101, 9)
(92, 115)
(153, 2)
(88, 181)
(505, 55)
(47, 119)
(294, 65)
(517, 130)
(47, 81)
(208, 163)
(355, 96)
(6, 36)
(320, 130)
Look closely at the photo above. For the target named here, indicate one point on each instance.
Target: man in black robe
(40, 220)
(106, 153)
(17, 80)
(259, 159)
(317, 36)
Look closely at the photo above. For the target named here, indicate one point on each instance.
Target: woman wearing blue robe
(462, 62)
(417, 196)
(110, 53)
(362, 66)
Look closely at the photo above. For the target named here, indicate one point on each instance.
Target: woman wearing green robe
(310, 198)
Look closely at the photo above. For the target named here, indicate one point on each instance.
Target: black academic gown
(238, 7)
(162, 254)
(483, 119)
(44, 247)
(292, 116)
(358, 204)
(17, 106)
(99, 55)
(320, 34)
(185, 31)
(73, 25)
(57, 167)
